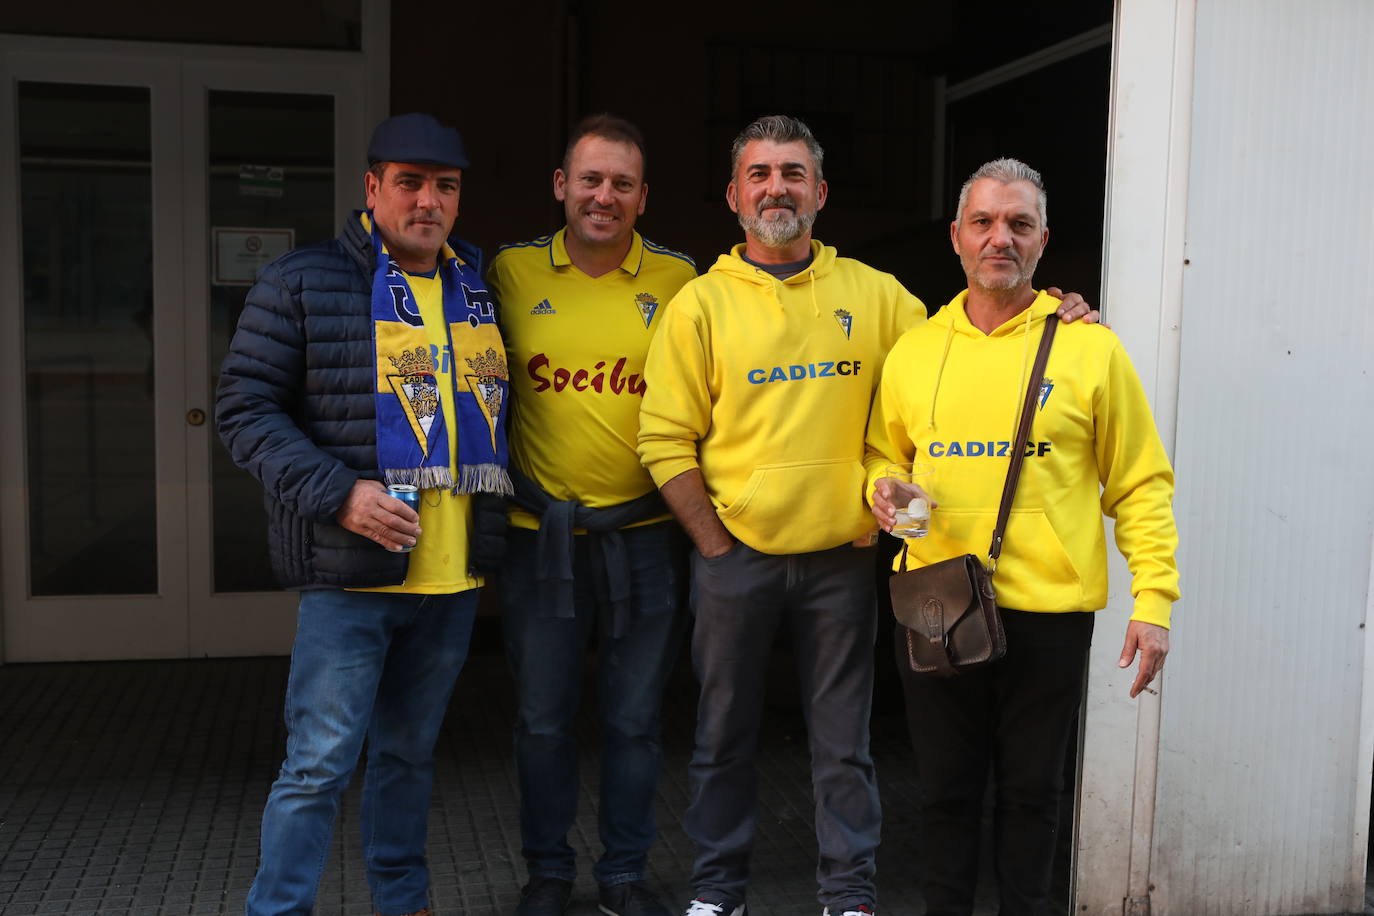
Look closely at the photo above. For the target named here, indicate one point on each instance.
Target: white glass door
(279, 159)
(149, 184)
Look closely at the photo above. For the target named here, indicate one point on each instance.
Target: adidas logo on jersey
(543, 308)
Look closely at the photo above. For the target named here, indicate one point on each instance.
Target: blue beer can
(408, 494)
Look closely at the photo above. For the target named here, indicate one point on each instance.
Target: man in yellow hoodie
(951, 393)
(759, 385)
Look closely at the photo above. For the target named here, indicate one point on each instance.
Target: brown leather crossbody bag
(949, 608)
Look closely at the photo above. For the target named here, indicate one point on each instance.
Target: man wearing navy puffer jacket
(367, 362)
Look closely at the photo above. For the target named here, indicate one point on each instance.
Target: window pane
(86, 218)
(271, 188)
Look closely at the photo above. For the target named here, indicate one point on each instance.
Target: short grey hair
(776, 129)
(1005, 170)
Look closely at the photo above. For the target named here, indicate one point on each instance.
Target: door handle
(195, 416)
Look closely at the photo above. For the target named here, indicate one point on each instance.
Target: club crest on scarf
(417, 390)
(437, 428)
(485, 381)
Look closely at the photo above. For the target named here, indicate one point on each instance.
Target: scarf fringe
(485, 478)
(422, 478)
(477, 478)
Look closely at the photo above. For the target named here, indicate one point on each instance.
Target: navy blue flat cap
(417, 138)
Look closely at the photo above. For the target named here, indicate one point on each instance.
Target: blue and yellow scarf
(412, 438)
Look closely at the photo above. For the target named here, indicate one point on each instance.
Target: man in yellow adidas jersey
(951, 391)
(759, 387)
(591, 549)
(370, 360)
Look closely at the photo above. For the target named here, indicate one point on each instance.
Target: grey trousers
(825, 601)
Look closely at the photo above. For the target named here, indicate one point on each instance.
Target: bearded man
(759, 386)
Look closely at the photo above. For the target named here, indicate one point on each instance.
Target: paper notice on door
(239, 252)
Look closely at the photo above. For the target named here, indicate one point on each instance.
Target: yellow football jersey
(576, 346)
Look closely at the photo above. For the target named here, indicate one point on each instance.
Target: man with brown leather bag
(960, 393)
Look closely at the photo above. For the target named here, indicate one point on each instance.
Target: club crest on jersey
(1046, 386)
(647, 304)
(845, 319)
(544, 308)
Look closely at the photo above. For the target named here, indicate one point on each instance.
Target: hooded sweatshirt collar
(822, 262)
(956, 314)
(954, 319)
(733, 263)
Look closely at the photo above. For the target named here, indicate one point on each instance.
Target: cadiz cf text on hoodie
(951, 396)
(765, 385)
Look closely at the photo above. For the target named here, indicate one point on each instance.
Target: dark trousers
(1013, 719)
(824, 601)
(547, 657)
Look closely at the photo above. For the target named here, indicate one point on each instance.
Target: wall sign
(238, 252)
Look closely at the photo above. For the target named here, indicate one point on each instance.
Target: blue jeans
(547, 657)
(364, 664)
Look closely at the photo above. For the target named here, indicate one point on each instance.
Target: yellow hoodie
(765, 386)
(951, 396)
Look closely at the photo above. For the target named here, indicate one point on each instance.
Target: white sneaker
(700, 907)
(856, 911)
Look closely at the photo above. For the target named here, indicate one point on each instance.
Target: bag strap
(1018, 450)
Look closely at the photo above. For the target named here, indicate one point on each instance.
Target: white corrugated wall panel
(1261, 747)
(1148, 155)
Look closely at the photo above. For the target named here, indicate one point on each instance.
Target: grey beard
(1003, 283)
(777, 233)
(1025, 271)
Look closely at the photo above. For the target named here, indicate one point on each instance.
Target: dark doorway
(907, 100)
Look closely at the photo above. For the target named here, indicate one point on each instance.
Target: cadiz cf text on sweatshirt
(951, 396)
(765, 385)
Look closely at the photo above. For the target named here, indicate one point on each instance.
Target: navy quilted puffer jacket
(296, 407)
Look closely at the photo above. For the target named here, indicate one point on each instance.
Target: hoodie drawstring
(939, 375)
(1020, 387)
(774, 284)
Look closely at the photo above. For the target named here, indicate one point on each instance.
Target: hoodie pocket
(799, 506)
(1034, 573)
